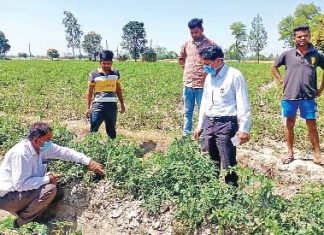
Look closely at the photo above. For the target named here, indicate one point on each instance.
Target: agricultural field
(180, 176)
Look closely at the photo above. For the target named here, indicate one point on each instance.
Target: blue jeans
(106, 112)
(190, 96)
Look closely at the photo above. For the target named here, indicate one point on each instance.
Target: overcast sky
(39, 22)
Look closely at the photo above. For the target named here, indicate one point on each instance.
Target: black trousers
(218, 134)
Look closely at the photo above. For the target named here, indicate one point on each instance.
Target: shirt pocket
(222, 96)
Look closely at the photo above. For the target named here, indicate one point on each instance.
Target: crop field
(55, 91)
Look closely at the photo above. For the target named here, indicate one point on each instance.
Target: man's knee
(311, 125)
(48, 191)
(290, 123)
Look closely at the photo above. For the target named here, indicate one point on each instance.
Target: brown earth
(101, 209)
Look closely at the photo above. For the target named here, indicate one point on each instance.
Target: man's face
(213, 63)
(38, 142)
(301, 38)
(196, 33)
(106, 65)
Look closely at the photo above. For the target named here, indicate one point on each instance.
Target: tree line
(135, 43)
(256, 41)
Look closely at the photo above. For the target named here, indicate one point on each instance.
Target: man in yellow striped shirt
(104, 88)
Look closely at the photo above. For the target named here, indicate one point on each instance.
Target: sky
(39, 22)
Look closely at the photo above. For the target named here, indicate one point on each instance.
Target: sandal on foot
(319, 162)
(287, 159)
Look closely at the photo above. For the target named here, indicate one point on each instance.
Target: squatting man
(26, 189)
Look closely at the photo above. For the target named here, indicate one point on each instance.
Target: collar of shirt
(203, 38)
(310, 49)
(222, 71)
(100, 70)
(31, 148)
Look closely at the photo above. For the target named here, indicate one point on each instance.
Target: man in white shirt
(26, 189)
(225, 111)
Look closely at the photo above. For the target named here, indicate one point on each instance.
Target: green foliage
(134, 39)
(304, 14)
(73, 31)
(53, 53)
(6, 226)
(258, 36)
(163, 53)
(184, 178)
(318, 34)
(152, 91)
(4, 45)
(122, 57)
(149, 55)
(22, 55)
(59, 228)
(91, 43)
(11, 131)
(239, 33)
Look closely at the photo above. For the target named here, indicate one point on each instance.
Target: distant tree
(122, 57)
(239, 33)
(53, 53)
(304, 14)
(161, 52)
(134, 39)
(318, 33)
(257, 37)
(4, 45)
(230, 53)
(149, 55)
(92, 44)
(73, 31)
(22, 55)
(172, 55)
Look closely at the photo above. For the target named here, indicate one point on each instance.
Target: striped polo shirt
(104, 85)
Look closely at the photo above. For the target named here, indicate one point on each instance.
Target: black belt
(222, 118)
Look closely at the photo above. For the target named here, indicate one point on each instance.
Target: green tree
(22, 55)
(239, 33)
(304, 14)
(4, 45)
(318, 33)
(257, 37)
(73, 32)
(231, 52)
(134, 39)
(53, 53)
(92, 44)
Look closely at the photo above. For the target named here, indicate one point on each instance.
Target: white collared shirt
(226, 94)
(23, 169)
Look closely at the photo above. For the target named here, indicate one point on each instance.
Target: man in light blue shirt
(26, 189)
(225, 114)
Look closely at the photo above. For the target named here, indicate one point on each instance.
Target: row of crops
(186, 180)
(56, 91)
(181, 177)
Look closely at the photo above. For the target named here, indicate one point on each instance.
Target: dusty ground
(103, 210)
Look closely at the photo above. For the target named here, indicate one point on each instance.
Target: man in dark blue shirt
(300, 89)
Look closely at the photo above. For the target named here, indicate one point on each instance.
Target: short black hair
(211, 53)
(106, 55)
(301, 28)
(195, 22)
(38, 129)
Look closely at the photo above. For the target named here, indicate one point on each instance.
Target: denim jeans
(190, 97)
(107, 112)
